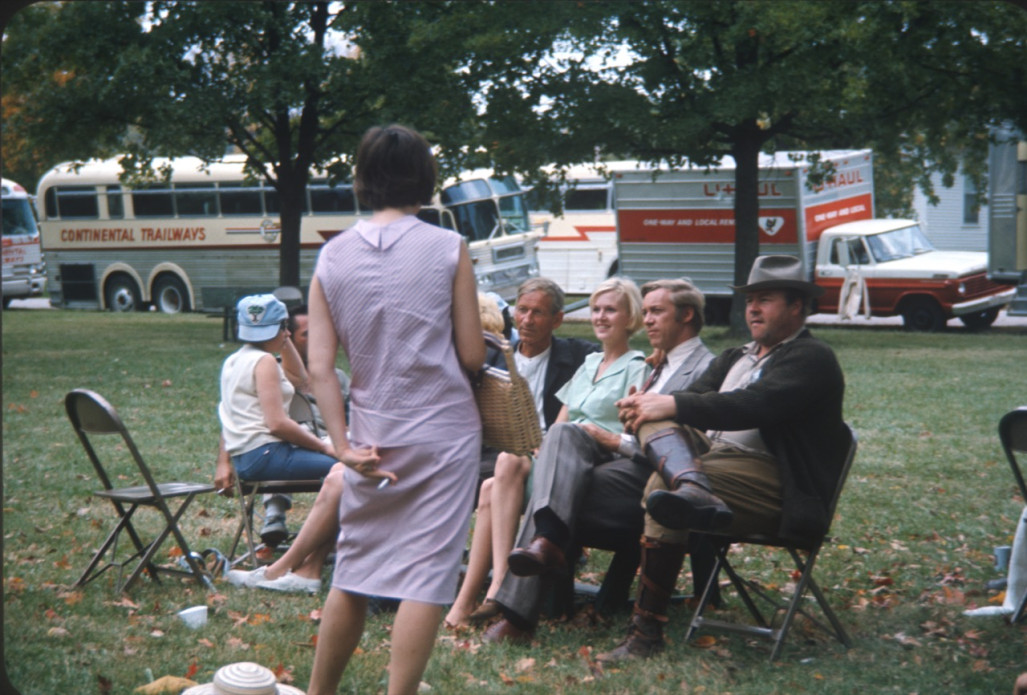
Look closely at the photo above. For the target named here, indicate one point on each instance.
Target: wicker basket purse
(509, 421)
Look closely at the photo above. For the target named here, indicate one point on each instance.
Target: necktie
(654, 376)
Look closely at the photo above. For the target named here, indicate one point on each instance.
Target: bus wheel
(122, 294)
(170, 295)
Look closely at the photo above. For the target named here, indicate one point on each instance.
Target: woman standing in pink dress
(399, 296)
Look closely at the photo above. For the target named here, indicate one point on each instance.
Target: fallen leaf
(525, 664)
(283, 674)
(72, 597)
(704, 641)
(124, 602)
(57, 632)
(165, 684)
(191, 671)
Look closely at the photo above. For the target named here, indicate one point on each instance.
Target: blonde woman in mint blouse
(589, 399)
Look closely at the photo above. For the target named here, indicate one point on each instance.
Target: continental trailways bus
(210, 235)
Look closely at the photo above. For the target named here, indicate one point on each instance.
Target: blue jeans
(282, 461)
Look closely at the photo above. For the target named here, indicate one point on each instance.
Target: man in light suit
(544, 360)
(578, 490)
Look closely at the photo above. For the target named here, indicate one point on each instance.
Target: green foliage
(930, 495)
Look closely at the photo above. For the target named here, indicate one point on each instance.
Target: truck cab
(897, 271)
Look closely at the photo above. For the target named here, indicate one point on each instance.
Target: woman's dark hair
(395, 168)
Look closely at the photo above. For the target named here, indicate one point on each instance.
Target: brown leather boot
(661, 563)
(689, 503)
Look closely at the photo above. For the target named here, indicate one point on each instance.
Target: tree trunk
(291, 196)
(746, 151)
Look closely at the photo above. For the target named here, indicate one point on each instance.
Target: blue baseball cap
(260, 317)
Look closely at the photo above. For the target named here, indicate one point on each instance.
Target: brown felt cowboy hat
(779, 273)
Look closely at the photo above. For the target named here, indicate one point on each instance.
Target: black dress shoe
(505, 632)
(689, 507)
(540, 557)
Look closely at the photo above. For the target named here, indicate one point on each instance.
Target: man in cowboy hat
(766, 419)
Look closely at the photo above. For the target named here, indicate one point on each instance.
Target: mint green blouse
(593, 401)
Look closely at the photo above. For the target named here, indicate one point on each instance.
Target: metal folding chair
(249, 491)
(804, 556)
(1012, 432)
(91, 416)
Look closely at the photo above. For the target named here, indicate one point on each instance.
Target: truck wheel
(923, 314)
(170, 295)
(979, 320)
(122, 294)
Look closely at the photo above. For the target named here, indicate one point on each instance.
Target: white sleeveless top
(242, 421)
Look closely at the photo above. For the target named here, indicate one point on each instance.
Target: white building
(955, 223)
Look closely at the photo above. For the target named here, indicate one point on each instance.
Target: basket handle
(503, 345)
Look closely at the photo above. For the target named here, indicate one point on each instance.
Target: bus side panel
(578, 249)
(218, 276)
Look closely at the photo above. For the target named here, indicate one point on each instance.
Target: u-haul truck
(681, 222)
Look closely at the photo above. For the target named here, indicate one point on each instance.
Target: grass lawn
(929, 496)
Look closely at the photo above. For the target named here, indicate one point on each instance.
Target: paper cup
(1002, 553)
(194, 617)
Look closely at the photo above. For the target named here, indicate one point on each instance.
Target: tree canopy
(518, 85)
(287, 84)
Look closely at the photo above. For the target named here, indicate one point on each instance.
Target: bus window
(504, 185)
(515, 214)
(115, 203)
(476, 221)
(17, 218)
(585, 199)
(272, 205)
(328, 199)
(475, 189)
(240, 199)
(153, 202)
(72, 201)
(196, 200)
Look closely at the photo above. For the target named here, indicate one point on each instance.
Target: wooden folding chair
(803, 556)
(1012, 432)
(249, 491)
(92, 416)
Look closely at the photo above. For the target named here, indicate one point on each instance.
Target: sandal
(485, 612)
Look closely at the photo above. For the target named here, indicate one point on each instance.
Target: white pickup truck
(889, 268)
(680, 222)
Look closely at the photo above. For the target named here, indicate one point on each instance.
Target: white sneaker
(292, 583)
(247, 578)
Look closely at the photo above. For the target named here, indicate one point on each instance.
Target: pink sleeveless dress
(390, 292)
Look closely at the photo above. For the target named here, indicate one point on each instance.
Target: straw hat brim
(211, 689)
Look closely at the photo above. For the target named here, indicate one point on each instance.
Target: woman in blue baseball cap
(263, 442)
